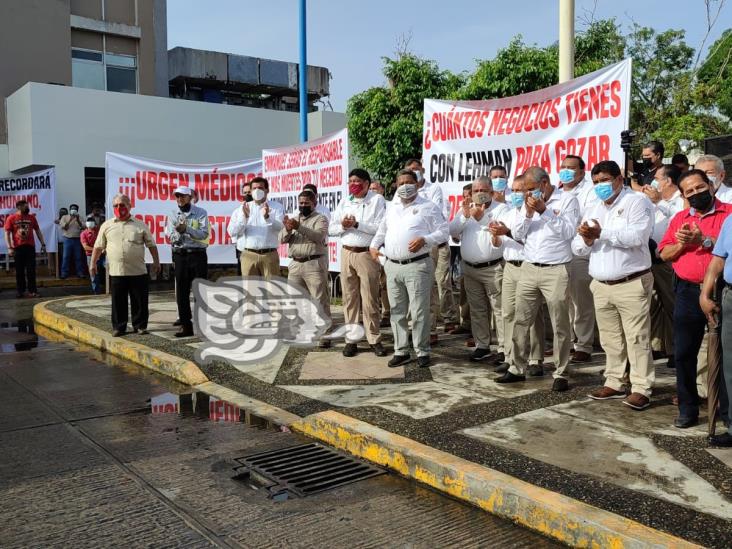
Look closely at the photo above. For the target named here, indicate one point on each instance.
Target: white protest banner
(583, 117)
(39, 190)
(150, 185)
(322, 162)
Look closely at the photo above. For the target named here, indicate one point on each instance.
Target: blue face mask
(604, 190)
(517, 200)
(499, 183)
(536, 193)
(566, 175)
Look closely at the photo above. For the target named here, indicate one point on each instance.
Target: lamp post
(566, 40)
(303, 73)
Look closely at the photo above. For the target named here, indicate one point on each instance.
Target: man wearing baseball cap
(187, 230)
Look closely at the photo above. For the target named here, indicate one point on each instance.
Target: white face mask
(90, 224)
(258, 194)
(714, 182)
(73, 212)
(407, 191)
(420, 176)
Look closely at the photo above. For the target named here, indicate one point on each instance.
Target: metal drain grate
(303, 470)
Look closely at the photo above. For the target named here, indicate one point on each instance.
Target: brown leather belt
(261, 251)
(306, 258)
(547, 264)
(483, 265)
(441, 245)
(625, 278)
(356, 249)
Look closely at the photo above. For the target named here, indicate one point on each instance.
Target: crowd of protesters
(632, 263)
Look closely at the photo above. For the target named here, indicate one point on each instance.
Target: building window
(87, 69)
(121, 73)
(111, 72)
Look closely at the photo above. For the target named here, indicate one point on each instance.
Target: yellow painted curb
(169, 365)
(565, 519)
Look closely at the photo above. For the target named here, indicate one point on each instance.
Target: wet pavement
(633, 464)
(98, 452)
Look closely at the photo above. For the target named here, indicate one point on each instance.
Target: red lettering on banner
(282, 251)
(332, 252)
(592, 149)
(532, 155)
(593, 103)
(156, 225)
(218, 224)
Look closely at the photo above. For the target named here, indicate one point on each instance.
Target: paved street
(630, 463)
(96, 454)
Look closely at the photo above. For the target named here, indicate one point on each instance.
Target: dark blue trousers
(689, 328)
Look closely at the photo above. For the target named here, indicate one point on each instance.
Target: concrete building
(95, 78)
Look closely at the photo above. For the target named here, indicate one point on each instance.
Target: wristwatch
(707, 242)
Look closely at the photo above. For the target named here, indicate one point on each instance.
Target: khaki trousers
(464, 305)
(360, 284)
(511, 276)
(623, 316)
(551, 283)
(406, 286)
(383, 294)
(313, 277)
(254, 264)
(582, 307)
(662, 308)
(442, 300)
(483, 288)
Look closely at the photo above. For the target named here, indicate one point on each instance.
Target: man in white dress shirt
(547, 228)
(356, 220)
(513, 255)
(714, 168)
(615, 234)
(581, 309)
(664, 193)
(482, 266)
(255, 227)
(411, 228)
(443, 301)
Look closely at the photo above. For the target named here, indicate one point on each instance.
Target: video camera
(626, 143)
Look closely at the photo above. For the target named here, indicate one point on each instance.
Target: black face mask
(701, 201)
(248, 197)
(25, 210)
(186, 208)
(305, 211)
(647, 163)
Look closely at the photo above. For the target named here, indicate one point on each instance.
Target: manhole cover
(303, 470)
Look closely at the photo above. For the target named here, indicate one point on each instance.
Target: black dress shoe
(508, 377)
(378, 349)
(423, 361)
(498, 358)
(685, 422)
(398, 360)
(119, 333)
(723, 441)
(535, 370)
(185, 331)
(560, 385)
(351, 349)
(480, 354)
(177, 322)
(502, 368)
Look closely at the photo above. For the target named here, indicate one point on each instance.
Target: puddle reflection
(17, 336)
(205, 406)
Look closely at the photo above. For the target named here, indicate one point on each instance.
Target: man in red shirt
(688, 244)
(19, 228)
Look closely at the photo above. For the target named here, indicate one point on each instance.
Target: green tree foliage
(716, 73)
(669, 102)
(385, 123)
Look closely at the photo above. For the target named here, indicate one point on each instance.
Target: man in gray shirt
(187, 229)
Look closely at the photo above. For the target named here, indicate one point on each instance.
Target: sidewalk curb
(565, 519)
(166, 364)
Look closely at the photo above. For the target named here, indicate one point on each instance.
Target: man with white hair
(547, 228)
(124, 240)
(714, 168)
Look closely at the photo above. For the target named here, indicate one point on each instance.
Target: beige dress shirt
(70, 226)
(310, 238)
(125, 243)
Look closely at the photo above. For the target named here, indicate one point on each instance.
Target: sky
(350, 38)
